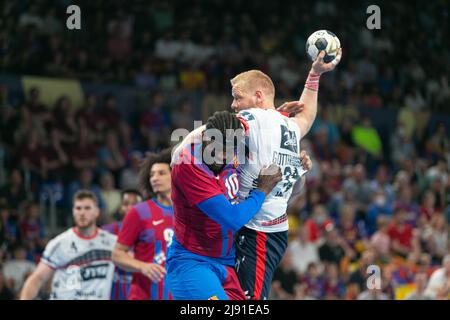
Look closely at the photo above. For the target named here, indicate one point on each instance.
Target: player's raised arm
(35, 281)
(306, 118)
(193, 136)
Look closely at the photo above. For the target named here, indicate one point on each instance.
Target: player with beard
(79, 260)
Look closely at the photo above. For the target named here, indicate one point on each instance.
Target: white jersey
(83, 266)
(271, 138)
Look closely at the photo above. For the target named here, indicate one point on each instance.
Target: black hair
(223, 120)
(131, 191)
(163, 156)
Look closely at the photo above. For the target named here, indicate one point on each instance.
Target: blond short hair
(255, 80)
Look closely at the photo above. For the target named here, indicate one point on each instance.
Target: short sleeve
(52, 254)
(131, 228)
(195, 183)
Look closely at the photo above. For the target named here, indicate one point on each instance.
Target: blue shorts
(193, 277)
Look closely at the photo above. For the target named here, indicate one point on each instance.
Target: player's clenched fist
(153, 271)
(269, 177)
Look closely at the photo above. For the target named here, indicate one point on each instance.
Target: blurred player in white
(79, 260)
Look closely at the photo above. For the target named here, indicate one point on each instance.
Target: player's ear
(259, 95)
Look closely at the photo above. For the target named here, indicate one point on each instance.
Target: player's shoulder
(59, 241)
(66, 235)
(107, 235)
(142, 210)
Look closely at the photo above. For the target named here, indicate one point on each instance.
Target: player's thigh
(192, 280)
(232, 286)
(257, 256)
(246, 260)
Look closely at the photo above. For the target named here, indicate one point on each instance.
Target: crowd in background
(200, 45)
(368, 200)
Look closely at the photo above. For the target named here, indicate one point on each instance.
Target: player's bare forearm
(30, 288)
(35, 281)
(121, 258)
(306, 118)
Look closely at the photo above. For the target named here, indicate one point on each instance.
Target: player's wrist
(312, 82)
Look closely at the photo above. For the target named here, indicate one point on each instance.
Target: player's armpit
(35, 281)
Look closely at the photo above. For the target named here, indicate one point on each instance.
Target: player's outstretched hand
(269, 177)
(319, 66)
(153, 271)
(291, 107)
(306, 160)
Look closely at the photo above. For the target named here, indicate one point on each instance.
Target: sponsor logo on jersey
(155, 223)
(99, 271)
(288, 139)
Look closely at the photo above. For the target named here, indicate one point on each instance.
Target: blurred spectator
(284, 279)
(64, 120)
(83, 152)
(34, 105)
(155, 117)
(9, 232)
(5, 292)
(32, 155)
(400, 233)
(55, 158)
(182, 116)
(31, 226)
(302, 251)
(87, 115)
(358, 278)
(372, 294)
(436, 236)
(353, 233)
(439, 285)
(367, 137)
(314, 281)
(110, 196)
(358, 186)
(316, 224)
(334, 249)
(402, 146)
(129, 177)
(108, 116)
(380, 240)
(405, 201)
(334, 287)
(110, 156)
(13, 194)
(18, 269)
(379, 206)
(421, 280)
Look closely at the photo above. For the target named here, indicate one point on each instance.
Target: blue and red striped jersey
(148, 230)
(192, 183)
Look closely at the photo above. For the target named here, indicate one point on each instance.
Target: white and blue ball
(322, 40)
